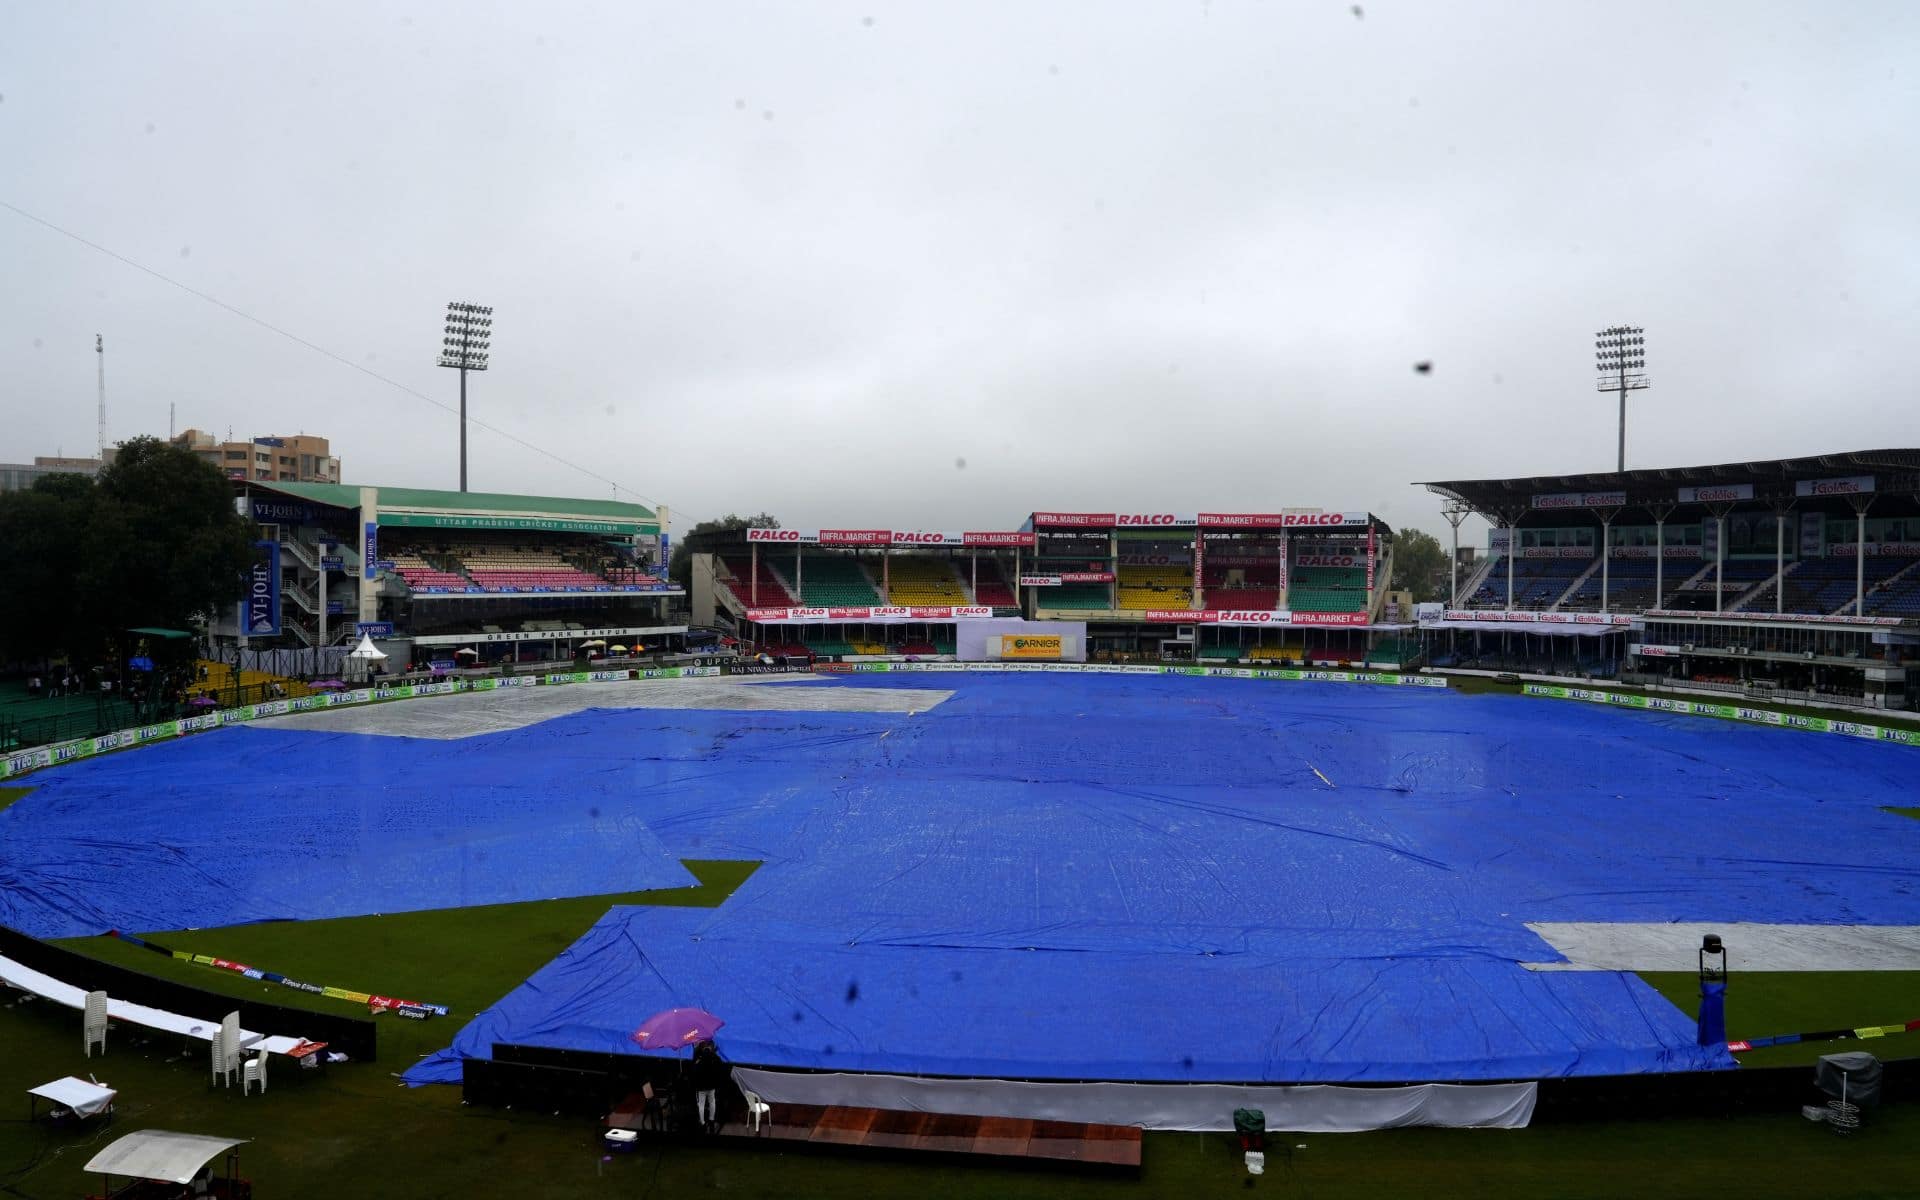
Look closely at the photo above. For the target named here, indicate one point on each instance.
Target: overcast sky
(812, 257)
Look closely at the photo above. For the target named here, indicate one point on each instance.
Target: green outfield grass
(1764, 1003)
(9, 794)
(1905, 812)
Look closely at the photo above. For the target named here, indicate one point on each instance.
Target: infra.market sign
(552, 524)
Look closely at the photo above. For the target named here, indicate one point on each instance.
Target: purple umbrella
(677, 1028)
(200, 702)
(327, 685)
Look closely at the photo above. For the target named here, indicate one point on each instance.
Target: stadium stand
(1328, 589)
(1537, 582)
(1899, 595)
(992, 589)
(1073, 595)
(1826, 585)
(829, 580)
(772, 593)
(519, 568)
(1155, 587)
(923, 580)
(1254, 588)
(1696, 595)
(419, 573)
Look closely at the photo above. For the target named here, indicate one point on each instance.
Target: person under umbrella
(709, 1074)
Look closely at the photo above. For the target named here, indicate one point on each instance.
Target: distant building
(295, 458)
(18, 477)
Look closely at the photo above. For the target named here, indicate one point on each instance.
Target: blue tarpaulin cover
(1173, 879)
(1043, 877)
(256, 824)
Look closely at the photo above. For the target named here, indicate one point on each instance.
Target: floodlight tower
(469, 330)
(1620, 355)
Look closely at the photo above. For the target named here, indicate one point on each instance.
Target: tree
(1419, 565)
(153, 541)
(680, 570)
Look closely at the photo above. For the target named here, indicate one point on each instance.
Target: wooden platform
(1003, 1140)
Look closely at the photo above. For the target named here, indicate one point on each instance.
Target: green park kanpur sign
(555, 524)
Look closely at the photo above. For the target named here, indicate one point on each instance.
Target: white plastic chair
(226, 1049)
(93, 1023)
(756, 1109)
(252, 1072)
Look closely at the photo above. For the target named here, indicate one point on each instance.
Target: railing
(1746, 690)
(110, 713)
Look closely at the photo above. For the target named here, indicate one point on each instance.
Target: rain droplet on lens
(959, 464)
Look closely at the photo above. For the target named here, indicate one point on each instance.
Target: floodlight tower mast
(464, 348)
(100, 352)
(1620, 355)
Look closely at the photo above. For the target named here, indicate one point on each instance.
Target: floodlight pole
(1455, 511)
(464, 347)
(1620, 351)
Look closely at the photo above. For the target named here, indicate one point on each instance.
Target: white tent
(366, 654)
(160, 1154)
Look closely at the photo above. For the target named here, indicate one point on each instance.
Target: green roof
(423, 499)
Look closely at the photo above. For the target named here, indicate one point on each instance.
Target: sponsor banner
(881, 613)
(370, 552)
(378, 629)
(1353, 619)
(1373, 554)
(261, 607)
(1027, 645)
(1152, 520)
(1729, 712)
(1884, 549)
(856, 537)
(1648, 551)
(1719, 493)
(1374, 677)
(1075, 520)
(800, 536)
(1850, 485)
(1217, 616)
(1039, 581)
(1520, 617)
(1650, 651)
(990, 538)
(1243, 520)
(1580, 500)
(1234, 616)
(553, 524)
(1556, 552)
(902, 537)
(1281, 562)
(1308, 557)
(1086, 577)
(1813, 535)
(1710, 537)
(1180, 616)
(283, 512)
(1791, 618)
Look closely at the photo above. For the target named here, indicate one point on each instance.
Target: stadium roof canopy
(427, 508)
(1879, 472)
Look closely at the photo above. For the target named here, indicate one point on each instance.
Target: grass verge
(9, 794)
(1765, 1003)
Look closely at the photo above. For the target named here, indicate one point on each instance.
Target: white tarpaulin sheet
(1675, 946)
(27, 979)
(1195, 1107)
(79, 1095)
